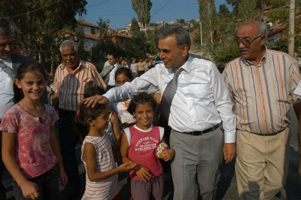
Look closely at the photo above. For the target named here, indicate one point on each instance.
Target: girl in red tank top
(138, 145)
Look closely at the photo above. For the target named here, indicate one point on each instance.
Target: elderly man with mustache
(261, 84)
(72, 77)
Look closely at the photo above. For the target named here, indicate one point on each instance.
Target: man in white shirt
(108, 73)
(201, 101)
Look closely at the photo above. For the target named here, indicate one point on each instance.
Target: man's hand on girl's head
(92, 101)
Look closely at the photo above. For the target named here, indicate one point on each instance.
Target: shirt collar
(249, 63)
(81, 63)
(186, 67)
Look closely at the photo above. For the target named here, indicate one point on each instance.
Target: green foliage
(182, 21)
(136, 47)
(208, 18)
(152, 42)
(105, 43)
(224, 12)
(142, 9)
(247, 10)
(278, 3)
(279, 15)
(223, 54)
(36, 23)
(135, 29)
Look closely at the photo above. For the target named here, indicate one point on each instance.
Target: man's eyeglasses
(247, 42)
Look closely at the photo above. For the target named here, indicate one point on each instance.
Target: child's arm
(117, 133)
(93, 175)
(141, 171)
(29, 189)
(167, 154)
(57, 152)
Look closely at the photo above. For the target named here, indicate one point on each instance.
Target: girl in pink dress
(138, 145)
(30, 149)
(97, 154)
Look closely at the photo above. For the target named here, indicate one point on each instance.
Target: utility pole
(291, 32)
(201, 31)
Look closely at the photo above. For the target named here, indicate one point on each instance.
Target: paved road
(227, 185)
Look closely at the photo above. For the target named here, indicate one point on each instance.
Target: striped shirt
(106, 188)
(71, 87)
(262, 93)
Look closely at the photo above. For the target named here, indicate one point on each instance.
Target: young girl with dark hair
(30, 149)
(138, 145)
(97, 154)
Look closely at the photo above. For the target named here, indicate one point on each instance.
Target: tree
(247, 9)
(278, 3)
(278, 15)
(36, 23)
(105, 43)
(135, 29)
(208, 17)
(224, 11)
(181, 21)
(142, 9)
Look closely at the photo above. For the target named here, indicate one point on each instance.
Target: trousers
(196, 160)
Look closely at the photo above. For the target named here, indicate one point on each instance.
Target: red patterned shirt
(32, 149)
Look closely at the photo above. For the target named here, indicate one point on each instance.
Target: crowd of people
(123, 113)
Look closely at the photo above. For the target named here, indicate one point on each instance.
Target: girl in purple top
(30, 149)
(138, 145)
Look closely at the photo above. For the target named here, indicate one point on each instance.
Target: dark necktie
(169, 94)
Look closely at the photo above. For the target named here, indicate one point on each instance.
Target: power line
(161, 8)
(32, 10)
(98, 3)
(128, 13)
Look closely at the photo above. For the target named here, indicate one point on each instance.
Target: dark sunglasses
(247, 42)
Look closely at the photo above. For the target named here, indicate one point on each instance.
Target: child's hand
(30, 190)
(127, 167)
(64, 179)
(168, 154)
(114, 119)
(142, 173)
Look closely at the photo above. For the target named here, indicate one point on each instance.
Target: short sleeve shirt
(32, 149)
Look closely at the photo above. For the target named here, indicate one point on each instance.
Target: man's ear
(262, 39)
(184, 50)
(17, 82)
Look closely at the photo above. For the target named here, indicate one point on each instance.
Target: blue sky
(120, 12)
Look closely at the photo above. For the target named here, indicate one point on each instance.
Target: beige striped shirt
(262, 94)
(71, 87)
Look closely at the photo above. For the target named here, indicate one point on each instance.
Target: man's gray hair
(4, 28)
(182, 35)
(69, 42)
(263, 30)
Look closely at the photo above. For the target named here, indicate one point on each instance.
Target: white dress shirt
(112, 75)
(201, 100)
(6, 91)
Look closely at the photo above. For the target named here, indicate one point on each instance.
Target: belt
(202, 132)
(270, 134)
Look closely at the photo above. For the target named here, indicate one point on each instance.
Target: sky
(120, 12)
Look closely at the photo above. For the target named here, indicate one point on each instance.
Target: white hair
(69, 42)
